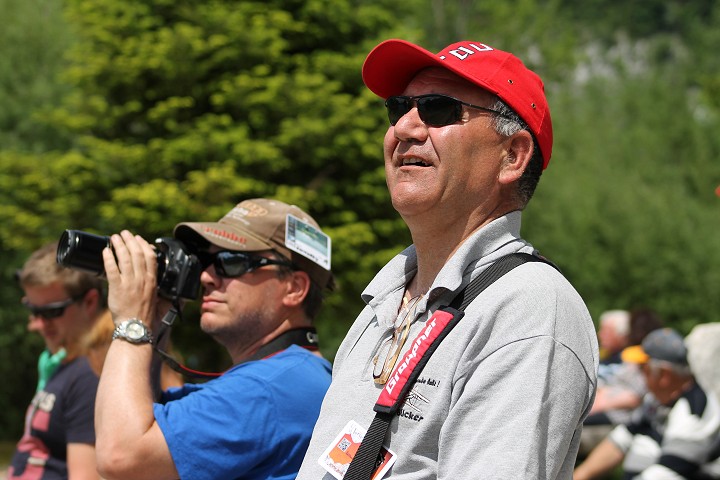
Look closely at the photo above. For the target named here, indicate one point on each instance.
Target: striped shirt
(679, 441)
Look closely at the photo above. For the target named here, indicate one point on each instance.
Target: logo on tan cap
(265, 224)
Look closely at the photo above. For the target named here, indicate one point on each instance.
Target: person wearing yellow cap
(675, 434)
(621, 386)
(266, 267)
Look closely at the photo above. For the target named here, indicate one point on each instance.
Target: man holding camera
(266, 265)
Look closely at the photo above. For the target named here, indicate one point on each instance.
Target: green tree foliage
(33, 40)
(627, 206)
(639, 20)
(183, 109)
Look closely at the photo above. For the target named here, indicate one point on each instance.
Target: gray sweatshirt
(505, 394)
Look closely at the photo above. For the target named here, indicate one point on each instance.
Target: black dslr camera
(178, 274)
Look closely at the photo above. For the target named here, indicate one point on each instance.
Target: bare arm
(81, 462)
(605, 457)
(130, 444)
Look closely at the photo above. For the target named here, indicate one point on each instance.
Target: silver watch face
(135, 330)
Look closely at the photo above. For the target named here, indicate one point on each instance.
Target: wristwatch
(133, 331)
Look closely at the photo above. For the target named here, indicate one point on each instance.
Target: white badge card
(308, 241)
(341, 451)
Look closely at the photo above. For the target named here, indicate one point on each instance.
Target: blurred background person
(703, 344)
(59, 437)
(643, 321)
(621, 385)
(613, 331)
(676, 433)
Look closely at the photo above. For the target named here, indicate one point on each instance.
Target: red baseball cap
(391, 65)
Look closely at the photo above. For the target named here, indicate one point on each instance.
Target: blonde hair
(96, 341)
(41, 269)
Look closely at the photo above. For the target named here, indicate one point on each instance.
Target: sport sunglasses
(434, 109)
(231, 264)
(51, 310)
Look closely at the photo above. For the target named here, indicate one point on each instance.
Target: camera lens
(82, 250)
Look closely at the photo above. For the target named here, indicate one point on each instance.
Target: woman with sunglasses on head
(504, 392)
(266, 266)
(59, 437)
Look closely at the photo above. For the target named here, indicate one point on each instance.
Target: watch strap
(121, 332)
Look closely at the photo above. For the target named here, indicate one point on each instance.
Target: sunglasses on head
(434, 109)
(51, 310)
(231, 264)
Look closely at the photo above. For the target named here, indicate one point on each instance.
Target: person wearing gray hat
(266, 265)
(675, 434)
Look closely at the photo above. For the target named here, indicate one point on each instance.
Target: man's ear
(91, 300)
(298, 286)
(518, 153)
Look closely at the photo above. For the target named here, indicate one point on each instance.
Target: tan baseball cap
(264, 224)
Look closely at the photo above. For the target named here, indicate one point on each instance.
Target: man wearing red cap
(505, 393)
(266, 266)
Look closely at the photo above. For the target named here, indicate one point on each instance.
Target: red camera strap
(397, 387)
(408, 370)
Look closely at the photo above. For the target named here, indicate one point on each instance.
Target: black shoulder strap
(305, 337)
(492, 273)
(392, 395)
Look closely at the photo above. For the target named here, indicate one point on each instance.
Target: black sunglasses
(434, 109)
(51, 310)
(231, 264)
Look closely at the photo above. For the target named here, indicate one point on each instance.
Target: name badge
(336, 459)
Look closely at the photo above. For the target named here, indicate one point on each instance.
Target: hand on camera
(132, 279)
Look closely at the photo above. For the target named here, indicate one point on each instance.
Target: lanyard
(48, 364)
(305, 337)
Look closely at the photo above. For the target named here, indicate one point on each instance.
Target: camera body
(178, 273)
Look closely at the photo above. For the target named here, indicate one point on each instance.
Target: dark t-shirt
(63, 412)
